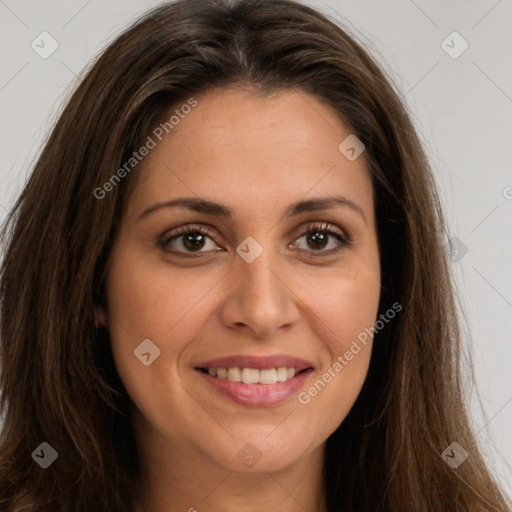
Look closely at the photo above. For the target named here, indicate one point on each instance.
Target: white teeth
(253, 375)
(268, 376)
(235, 374)
(250, 376)
(281, 374)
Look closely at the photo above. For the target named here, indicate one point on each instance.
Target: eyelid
(322, 226)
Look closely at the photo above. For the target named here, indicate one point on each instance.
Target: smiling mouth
(254, 375)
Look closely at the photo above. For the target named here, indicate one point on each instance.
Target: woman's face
(251, 285)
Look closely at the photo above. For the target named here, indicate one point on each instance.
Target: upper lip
(257, 362)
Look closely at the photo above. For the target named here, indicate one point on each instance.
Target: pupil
(196, 239)
(318, 238)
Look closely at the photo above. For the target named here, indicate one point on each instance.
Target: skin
(256, 156)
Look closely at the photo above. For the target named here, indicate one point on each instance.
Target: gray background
(462, 107)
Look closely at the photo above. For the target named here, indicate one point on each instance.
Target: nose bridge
(258, 278)
(259, 298)
(259, 285)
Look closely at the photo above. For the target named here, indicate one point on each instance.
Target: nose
(259, 302)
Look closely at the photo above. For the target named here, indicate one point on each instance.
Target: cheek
(145, 303)
(344, 316)
(345, 304)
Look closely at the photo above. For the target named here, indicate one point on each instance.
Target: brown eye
(187, 240)
(317, 240)
(193, 241)
(320, 236)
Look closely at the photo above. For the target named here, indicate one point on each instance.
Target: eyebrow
(199, 205)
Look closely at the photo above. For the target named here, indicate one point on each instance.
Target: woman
(224, 285)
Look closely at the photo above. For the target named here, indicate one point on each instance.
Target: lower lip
(257, 395)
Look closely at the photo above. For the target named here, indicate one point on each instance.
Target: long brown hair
(58, 381)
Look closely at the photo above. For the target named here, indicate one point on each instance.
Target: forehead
(252, 153)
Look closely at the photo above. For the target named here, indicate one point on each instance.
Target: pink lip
(257, 395)
(257, 362)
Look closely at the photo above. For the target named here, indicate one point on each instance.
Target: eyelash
(317, 227)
